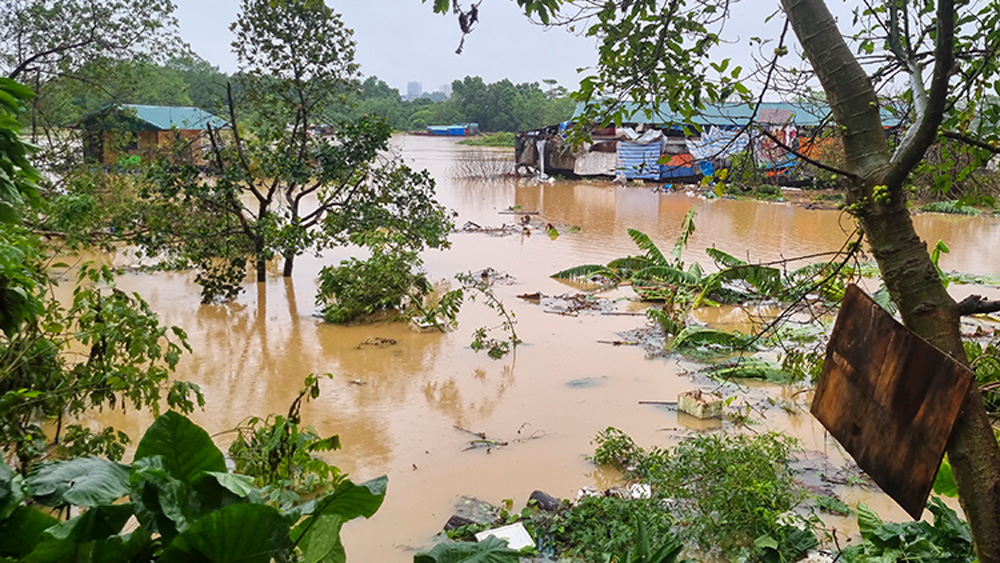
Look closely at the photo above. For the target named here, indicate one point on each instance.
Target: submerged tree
(658, 53)
(286, 180)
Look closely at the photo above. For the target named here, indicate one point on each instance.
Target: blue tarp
(639, 162)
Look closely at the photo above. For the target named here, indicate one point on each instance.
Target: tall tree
(287, 179)
(659, 53)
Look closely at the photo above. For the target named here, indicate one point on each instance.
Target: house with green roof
(121, 131)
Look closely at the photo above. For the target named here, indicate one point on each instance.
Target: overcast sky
(403, 40)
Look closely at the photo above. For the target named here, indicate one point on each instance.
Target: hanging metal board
(890, 398)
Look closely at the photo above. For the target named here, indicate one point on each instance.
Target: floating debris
(570, 304)
(700, 404)
(376, 342)
(494, 277)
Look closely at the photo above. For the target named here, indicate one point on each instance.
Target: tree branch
(923, 132)
(977, 305)
(971, 141)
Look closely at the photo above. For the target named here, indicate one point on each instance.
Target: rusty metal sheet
(890, 398)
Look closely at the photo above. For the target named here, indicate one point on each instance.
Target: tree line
(189, 80)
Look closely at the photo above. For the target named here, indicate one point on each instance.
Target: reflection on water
(399, 409)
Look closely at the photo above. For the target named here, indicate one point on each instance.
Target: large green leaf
(11, 490)
(82, 481)
(96, 523)
(664, 274)
(319, 539)
(167, 505)
(21, 531)
(490, 550)
(868, 521)
(647, 245)
(351, 501)
(319, 535)
(944, 481)
(244, 533)
(584, 271)
(91, 537)
(724, 259)
(124, 548)
(187, 449)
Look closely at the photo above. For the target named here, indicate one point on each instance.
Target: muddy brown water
(399, 409)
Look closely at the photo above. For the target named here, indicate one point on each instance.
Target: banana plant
(187, 505)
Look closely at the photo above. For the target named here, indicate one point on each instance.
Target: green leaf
(584, 271)
(320, 542)
(868, 521)
(245, 533)
(948, 522)
(944, 481)
(11, 490)
(319, 535)
(96, 523)
(724, 259)
(647, 245)
(240, 485)
(490, 550)
(84, 481)
(187, 449)
(766, 542)
(351, 501)
(22, 530)
(92, 536)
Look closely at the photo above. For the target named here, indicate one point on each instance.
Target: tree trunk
(258, 247)
(287, 268)
(877, 199)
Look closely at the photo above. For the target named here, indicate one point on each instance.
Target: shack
(453, 130)
(664, 146)
(119, 131)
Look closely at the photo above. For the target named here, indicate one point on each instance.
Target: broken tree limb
(977, 305)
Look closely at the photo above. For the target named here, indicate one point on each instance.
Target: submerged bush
(359, 288)
(732, 493)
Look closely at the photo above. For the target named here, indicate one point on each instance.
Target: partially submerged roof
(769, 113)
(156, 118)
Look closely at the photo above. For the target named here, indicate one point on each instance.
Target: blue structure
(454, 130)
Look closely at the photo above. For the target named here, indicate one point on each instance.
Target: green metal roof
(162, 118)
(802, 114)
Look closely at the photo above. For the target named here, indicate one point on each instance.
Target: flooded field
(405, 409)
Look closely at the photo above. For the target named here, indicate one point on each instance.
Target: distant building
(446, 89)
(413, 90)
(127, 130)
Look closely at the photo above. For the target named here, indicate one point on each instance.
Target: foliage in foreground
(188, 507)
(596, 528)
(731, 494)
(277, 451)
(948, 540)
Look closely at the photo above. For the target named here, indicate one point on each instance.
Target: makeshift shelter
(665, 145)
(127, 130)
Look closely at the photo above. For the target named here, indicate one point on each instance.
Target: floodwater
(406, 410)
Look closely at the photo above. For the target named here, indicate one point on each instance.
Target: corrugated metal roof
(168, 117)
(158, 118)
(802, 114)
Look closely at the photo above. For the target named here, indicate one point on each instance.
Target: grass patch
(501, 139)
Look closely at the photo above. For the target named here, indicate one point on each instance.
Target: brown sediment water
(403, 409)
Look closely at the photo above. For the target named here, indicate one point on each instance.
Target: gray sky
(403, 40)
